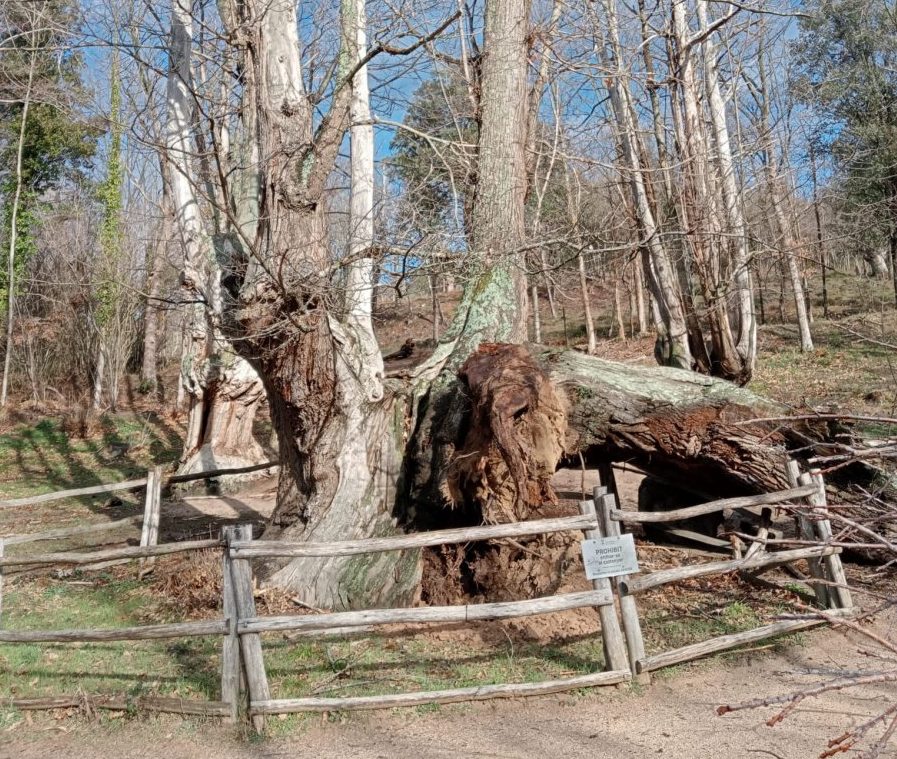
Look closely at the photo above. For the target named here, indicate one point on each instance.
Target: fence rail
(830, 581)
(243, 673)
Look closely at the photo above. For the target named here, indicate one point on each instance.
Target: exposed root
(515, 435)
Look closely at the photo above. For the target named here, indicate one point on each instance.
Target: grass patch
(184, 667)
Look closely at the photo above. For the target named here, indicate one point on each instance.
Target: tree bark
(224, 389)
(746, 342)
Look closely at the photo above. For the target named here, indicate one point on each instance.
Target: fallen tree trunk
(522, 411)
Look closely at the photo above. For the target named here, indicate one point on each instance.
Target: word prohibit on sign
(609, 557)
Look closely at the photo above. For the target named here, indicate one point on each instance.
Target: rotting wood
(665, 576)
(273, 548)
(742, 502)
(74, 493)
(614, 646)
(132, 552)
(632, 628)
(427, 614)
(230, 644)
(724, 642)
(68, 532)
(144, 632)
(250, 643)
(119, 704)
(454, 695)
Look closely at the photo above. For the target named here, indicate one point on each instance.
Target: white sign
(609, 557)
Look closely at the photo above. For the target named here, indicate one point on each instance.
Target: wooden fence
(829, 581)
(244, 681)
(240, 627)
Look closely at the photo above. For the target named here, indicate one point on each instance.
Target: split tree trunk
(224, 390)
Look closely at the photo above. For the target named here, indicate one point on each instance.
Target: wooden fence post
(231, 675)
(2, 548)
(808, 532)
(839, 593)
(250, 643)
(632, 627)
(149, 534)
(614, 646)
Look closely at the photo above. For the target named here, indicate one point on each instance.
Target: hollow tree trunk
(224, 389)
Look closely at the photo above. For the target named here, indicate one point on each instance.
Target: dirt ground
(674, 717)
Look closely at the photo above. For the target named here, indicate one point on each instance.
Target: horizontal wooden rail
(145, 632)
(272, 548)
(725, 642)
(60, 494)
(742, 502)
(474, 693)
(132, 552)
(427, 614)
(662, 577)
(68, 532)
(120, 704)
(219, 472)
(112, 487)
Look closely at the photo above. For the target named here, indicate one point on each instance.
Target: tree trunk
(537, 322)
(672, 347)
(746, 342)
(13, 234)
(591, 343)
(224, 389)
(786, 241)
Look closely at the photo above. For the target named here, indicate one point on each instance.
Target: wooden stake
(614, 646)
(632, 627)
(808, 532)
(230, 647)
(149, 534)
(839, 593)
(250, 643)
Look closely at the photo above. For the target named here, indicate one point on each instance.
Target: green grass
(187, 667)
(44, 457)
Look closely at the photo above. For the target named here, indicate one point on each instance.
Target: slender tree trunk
(534, 305)
(820, 243)
(672, 347)
(99, 376)
(786, 240)
(149, 366)
(13, 235)
(746, 343)
(591, 343)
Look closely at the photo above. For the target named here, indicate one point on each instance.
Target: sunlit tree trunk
(223, 389)
(672, 347)
(785, 236)
(13, 234)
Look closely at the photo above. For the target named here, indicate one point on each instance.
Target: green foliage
(847, 72)
(57, 143)
(435, 156)
(109, 193)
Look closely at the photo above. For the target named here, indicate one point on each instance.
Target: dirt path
(673, 718)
